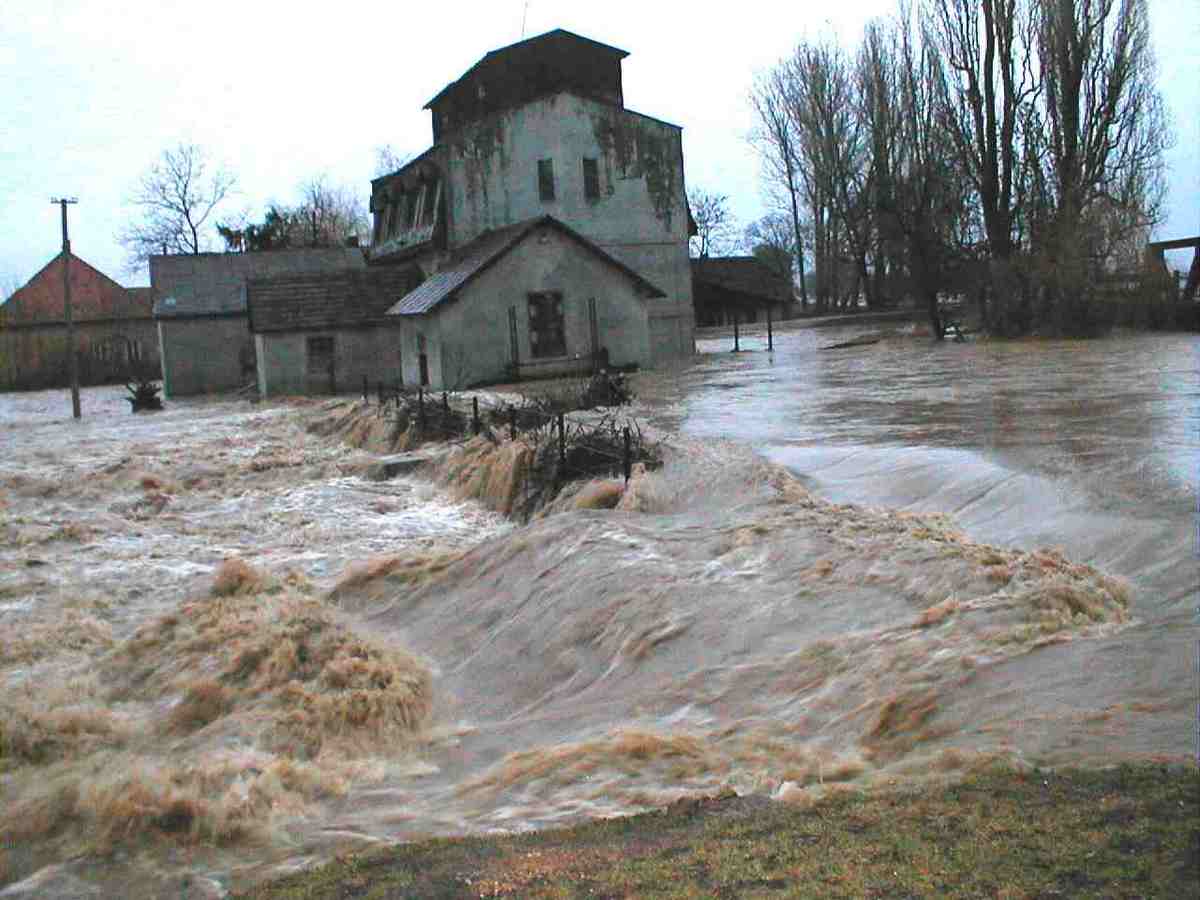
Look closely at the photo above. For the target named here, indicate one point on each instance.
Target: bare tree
(777, 143)
(772, 240)
(714, 223)
(176, 197)
(388, 160)
(988, 52)
(1107, 133)
(328, 215)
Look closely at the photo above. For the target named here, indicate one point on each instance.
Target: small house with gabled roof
(532, 299)
(114, 331)
(321, 333)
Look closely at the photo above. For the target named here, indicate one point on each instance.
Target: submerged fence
(570, 450)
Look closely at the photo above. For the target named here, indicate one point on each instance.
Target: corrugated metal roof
(472, 259)
(326, 301)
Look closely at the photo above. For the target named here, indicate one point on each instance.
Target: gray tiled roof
(213, 284)
(473, 258)
(325, 301)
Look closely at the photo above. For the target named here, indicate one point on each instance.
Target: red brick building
(114, 333)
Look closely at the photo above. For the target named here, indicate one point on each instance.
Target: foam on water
(723, 627)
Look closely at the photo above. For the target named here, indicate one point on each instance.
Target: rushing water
(733, 630)
(1090, 446)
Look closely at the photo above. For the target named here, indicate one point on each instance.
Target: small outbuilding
(325, 333)
(741, 287)
(203, 331)
(531, 299)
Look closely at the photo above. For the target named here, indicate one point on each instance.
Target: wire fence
(563, 449)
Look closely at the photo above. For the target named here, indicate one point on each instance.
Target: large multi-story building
(554, 217)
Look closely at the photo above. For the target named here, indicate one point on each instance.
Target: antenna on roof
(524, 16)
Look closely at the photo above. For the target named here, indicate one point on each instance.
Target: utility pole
(72, 362)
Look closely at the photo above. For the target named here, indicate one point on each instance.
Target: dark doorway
(320, 365)
(422, 361)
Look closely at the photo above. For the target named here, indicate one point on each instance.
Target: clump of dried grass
(236, 576)
(598, 495)
(35, 735)
(938, 613)
(281, 662)
(203, 702)
(384, 578)
(630, 752)
(492, 474)
(900, 724)
(74, 631)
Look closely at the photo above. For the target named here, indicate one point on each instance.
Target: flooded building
(114, 329)
(203, 327)
(323, 333)
(534, 151)
(741, 287)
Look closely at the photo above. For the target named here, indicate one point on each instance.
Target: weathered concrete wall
(204, 356)
(640, 215)
(199, 296)
(35, 357)
(283, 368)
(469, 337)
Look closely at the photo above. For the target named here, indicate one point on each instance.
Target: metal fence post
(770, 334)
(512, 422)
(627, 459)
(562, 441)
(475, 414)
(736, 337)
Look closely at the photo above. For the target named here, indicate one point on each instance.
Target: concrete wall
(640, 216)
(469, 337)
(204, 341)
(370, 352)
(35, 356)
(204, 356)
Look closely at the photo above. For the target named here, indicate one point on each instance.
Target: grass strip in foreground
(1131, 831)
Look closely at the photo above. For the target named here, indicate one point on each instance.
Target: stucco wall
(202, 356)
(371, 352)
(469, 337)
(33, 357)
(640, 216)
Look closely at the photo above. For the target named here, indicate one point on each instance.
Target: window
(416, 202)
(546, 180)
(547, 334)
(591, 179)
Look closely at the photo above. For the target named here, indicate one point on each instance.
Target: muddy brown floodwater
(885, 563)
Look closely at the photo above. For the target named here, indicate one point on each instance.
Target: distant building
(744, 287)
(114, 332)
(203, 328)
(535, 137)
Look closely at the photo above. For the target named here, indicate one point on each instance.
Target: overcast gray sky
(92, 92)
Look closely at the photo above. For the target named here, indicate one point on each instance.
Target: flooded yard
(897, 561)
